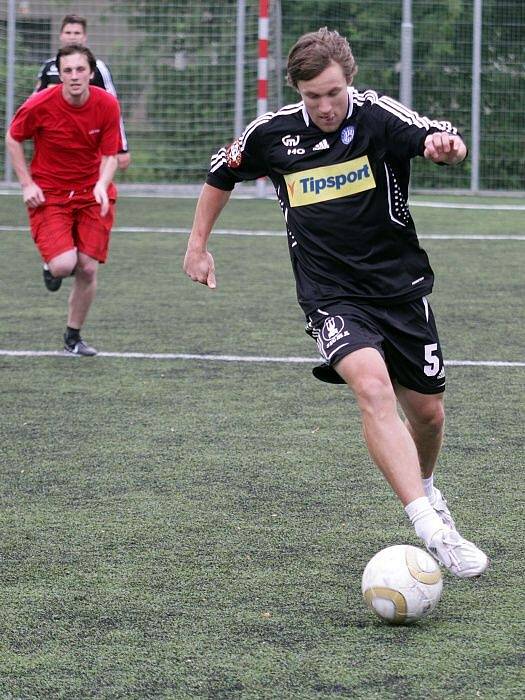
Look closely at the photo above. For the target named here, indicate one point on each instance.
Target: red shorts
(70, 220)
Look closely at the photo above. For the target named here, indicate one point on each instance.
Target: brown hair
(77, 48)
(313, 53)
(74, 19)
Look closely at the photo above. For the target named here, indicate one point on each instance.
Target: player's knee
(87, 269)
(436, 417)
(61, 268)
(375, 394)
(431, 417)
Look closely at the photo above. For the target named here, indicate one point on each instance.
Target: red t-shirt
(69, 140)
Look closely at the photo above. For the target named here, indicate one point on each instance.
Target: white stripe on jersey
(268, 116)
(110, 87)
(106, 77)
(404, 113)
(220, 157)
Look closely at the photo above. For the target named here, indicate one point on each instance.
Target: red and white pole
(262, 74)
(262, 64)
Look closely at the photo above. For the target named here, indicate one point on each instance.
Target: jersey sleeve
(104, 79)
(405, 130)
(48, 75)
(24, 123)
(111, 143)
(41, 71)
(242, 160)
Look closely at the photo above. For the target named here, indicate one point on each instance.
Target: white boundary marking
(246, 191)
(232, 358)
(468, 205)
(281, 234)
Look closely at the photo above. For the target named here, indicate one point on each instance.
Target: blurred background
(187, 73)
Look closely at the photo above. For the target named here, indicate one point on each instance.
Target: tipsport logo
(331, 182)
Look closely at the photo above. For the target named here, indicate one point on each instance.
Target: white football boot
(439, 504)
(461, 557)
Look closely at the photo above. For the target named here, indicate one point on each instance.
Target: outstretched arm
(31, 192)
(442, 147)
(198, 262)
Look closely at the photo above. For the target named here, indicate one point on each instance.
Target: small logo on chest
(321, 146)
(292, 143)
(347, 135)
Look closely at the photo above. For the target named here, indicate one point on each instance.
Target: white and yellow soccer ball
(402, 584)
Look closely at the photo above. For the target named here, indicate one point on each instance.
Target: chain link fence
(176, 68)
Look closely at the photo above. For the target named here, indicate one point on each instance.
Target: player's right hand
(200, 267)
(32, 195)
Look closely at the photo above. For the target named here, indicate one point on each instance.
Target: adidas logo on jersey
(321, 146)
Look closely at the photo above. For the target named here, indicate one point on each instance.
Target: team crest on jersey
(347, 134)
(234, 154)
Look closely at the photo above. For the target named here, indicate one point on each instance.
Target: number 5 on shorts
(433, 368)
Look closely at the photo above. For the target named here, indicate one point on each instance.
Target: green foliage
(176, 69)
(190, 75)
(25, 79)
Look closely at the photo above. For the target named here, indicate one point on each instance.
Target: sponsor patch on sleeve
(234, 154)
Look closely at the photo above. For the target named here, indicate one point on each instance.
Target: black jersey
(344, 197)
(102, 78)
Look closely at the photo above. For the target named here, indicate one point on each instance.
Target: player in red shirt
(68, 188)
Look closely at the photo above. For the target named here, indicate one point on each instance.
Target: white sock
(428, 485)
(424, 518)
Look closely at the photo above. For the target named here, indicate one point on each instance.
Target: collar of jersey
(350, 90)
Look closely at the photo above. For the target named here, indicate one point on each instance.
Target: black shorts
(405, 335)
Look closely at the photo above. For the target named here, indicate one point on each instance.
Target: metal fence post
(277, 52)
(262, 75)
(407, 30)
(10, 82)
(476, 95)
(239, 68)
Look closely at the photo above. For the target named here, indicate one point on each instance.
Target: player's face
(73, 34)
(75, 75)
(326, 97)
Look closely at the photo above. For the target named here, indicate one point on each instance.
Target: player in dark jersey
(340, 162)
(73, 30)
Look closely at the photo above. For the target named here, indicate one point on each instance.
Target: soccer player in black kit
(340, 163)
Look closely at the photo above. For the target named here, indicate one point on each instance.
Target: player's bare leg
(388, 439)
(394, 450)
(63, 265)
(80, 299)
(59, 267)
(425, 420)
(83, 290)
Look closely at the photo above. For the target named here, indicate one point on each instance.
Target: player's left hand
(442, 147)
(101, 196)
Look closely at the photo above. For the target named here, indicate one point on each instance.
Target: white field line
(232, 358)
(280, 234)
(468, 205)
(193, 192)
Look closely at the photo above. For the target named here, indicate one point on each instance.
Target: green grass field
(198, 529)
